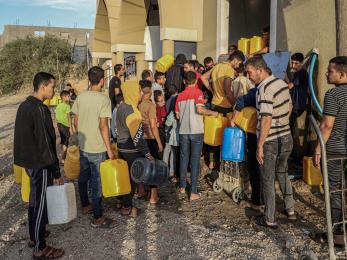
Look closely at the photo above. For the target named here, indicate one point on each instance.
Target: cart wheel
(216, 187)
(236, 194)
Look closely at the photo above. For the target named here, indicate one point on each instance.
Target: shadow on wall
(282, 37)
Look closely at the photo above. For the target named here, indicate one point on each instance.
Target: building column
(273, 26)
(222, 27)
(169, 47)
(141, 64)
(117, 58)
(95, 61)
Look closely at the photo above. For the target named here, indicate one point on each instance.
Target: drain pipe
(313, 60)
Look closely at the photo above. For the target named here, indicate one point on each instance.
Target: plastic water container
(164, 63)
(247, 120)
(18, 171)
(115, 180)
(243, 45)
(47, 102)
(149, 172)
(61, 203)
(256, 44)
(233, 148)
(311, 175)
(72, 163)
(25, 189)
(54, 101)
(213, 129)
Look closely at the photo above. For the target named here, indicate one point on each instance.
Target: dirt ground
(213, 228)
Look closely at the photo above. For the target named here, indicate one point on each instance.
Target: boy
(298, 85)
(150, 128)
(208, 64)
(191, 66)
(92, 112)
(64, 122)
(159, 83)
(161, 113)
(35, 150)
(190, 110)
(114, 88)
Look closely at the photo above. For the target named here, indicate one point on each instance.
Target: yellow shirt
(219, 73)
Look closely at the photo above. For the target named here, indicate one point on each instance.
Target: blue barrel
(233, 147)
(149, 172)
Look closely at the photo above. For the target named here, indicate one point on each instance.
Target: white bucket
(61, 204)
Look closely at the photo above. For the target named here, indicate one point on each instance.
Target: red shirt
(199, 81)
(161, 115)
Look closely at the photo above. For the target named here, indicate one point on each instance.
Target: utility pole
(341, 27)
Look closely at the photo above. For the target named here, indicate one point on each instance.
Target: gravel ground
(213, 228)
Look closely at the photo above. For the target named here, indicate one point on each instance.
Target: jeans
(190, 150)
(40, 179)
(90, 171)
(276, 154)
(253, 170)
(168, 158)
(335, 170)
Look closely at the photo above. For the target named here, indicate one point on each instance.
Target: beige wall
(102, 36)
(12, 32)
(208, 45)
(306, 24)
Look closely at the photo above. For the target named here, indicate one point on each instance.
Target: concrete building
(147, 29)
(75, 36)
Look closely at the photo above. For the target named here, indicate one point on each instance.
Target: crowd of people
(161, 118)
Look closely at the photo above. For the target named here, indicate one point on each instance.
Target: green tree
(21, 59)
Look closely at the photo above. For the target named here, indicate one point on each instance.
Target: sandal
(87, 210)
(291, 215)
(50, 253)
(130, 212)
(119, 205)
(106, 224)
(173, 179)
(196, 199)
(261, 221)
(31, 244)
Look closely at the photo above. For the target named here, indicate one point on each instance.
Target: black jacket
(34, 137)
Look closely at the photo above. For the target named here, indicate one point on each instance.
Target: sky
(60, 13)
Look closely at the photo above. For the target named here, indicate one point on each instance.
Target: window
(39, 33)
(64, 35)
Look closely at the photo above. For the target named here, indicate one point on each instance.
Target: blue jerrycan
(149, 172)
(233, 147)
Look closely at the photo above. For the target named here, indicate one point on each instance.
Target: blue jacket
(248, 100)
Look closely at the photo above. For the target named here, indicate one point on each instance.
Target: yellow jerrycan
(213, 129)
(115, 150)
(311, 175)
(243, 45)
(54, 101)
(72, 163)
(115, 180)
(47, 102)
(164, 63)
(256, 44)
(18, 171)
(25, 190)
(247, 120)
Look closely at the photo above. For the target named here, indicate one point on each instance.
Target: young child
(119, 99)
(161, 113)
(159, 83)
(171, 151)
(63, 117)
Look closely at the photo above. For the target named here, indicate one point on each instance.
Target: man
(223, 100)
(274, 139)
(150, 127)
(190, 110)
(159, 83)
(174, 75)
(257, 198)
(208, 63)
(298, 85)
(266, 43)
(114, 88)
(35, 150)
(92, 112)
(334, 131)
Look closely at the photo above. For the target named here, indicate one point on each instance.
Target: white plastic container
(61, 204)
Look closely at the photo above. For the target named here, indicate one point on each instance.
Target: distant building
(75, 36)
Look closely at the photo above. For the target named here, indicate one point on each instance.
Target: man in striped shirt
(274, 139)
(334, 130)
